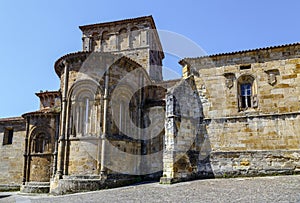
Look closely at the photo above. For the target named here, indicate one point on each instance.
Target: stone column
(99, 131)
(56, 144)
(61, 151)
(67, 142)
(26, 151)
(144, 162)
(103, 174)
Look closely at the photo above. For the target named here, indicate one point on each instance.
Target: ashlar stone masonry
(115, 121)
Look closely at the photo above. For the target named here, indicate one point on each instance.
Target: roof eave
(83, 27)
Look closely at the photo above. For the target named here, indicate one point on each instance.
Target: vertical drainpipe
(26, 150)
(105, 107)
(61, 151)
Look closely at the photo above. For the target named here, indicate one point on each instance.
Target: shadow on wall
(186, 140)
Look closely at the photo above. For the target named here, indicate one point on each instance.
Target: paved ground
(266, 189)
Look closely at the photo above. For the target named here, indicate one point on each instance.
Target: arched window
(247, 92)
(82, 110)
(123, 39)
(41, 143)
(105, 41)
(134, 37)
(95, 41)
(122, 111)
(123, 117)
(85, 111)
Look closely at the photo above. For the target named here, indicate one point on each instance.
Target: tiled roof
(76, 54)
(86, 53)
(11, 119)
(43, 111)
(243, 51)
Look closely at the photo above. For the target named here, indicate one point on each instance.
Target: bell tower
(135, 38)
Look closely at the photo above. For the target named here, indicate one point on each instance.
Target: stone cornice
(48, 93)
(59, 64)
(12, 119)
(130, 20)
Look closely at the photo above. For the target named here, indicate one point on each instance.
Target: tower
(134, 38)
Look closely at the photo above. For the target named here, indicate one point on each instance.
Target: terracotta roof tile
(242, 51)
(43, 111)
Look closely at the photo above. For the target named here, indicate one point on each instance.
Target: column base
(165, 180)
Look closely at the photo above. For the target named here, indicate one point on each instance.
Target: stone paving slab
(259, 189)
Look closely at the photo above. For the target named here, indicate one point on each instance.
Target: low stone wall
(238, 164)
(75, 184)
(253, 163)
(9, 187)
(35, 187)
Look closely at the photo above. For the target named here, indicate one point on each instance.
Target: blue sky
(36, 33)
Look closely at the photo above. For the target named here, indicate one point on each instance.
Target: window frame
(41, 143)
(247, 100)
(85, 109)
(246, 95)
(8, 136)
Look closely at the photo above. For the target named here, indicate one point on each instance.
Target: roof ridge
(244, 51)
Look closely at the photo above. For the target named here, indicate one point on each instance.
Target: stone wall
(252, 163)
(41, 167)
(276, 79)
(250, 146)
(121, 157)
(257, 137)
(273, 132)
(11, 159)
(83, 156)
(183, 134)
(270, 124)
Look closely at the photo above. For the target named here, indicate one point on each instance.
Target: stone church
(115, 121)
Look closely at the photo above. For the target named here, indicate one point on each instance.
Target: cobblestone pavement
(263, 189)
